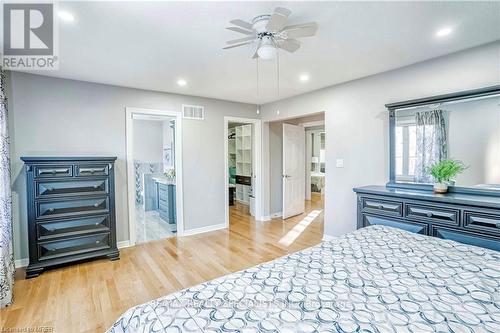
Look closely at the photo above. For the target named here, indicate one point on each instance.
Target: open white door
(293, 170)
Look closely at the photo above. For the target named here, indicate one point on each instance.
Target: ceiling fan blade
(236, 45)
(242, 31)
(241, 40)
(278, 19)
(242, 24)
(301, 30)
(290, 45)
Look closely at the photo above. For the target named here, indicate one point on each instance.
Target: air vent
(193, 112)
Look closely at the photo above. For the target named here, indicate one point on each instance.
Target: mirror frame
(393, 107)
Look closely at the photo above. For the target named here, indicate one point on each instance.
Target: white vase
(440, 188)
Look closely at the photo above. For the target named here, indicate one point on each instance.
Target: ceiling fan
(271, 33)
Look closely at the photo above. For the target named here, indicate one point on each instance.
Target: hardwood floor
(90, 296)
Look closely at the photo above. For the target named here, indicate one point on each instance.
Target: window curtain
(431, 142)
(6, 253)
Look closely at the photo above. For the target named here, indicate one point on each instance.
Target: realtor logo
(29, 36)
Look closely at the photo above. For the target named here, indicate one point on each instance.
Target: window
(406, 150)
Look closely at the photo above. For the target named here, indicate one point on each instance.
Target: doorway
(297, 165)
(154, 174)
(242, 188)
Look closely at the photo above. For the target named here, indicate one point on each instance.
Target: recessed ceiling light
(444, 32)
(65, 16)
(181, 82)
(304, 77)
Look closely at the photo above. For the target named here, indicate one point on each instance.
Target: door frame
(256, 166)
(129, 113)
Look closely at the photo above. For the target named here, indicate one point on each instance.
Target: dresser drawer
(382, 206)
(415, 227)
(72, 227)
(53, 188)
(466, 237)
(486, 221)
(72, 246)
(434, 214)
(62, 208)
(52, 171)
(82, 170)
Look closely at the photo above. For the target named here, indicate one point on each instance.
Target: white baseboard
(123, 244)
(328, 238)
(272, 216)
(204, 229)
(20, 263)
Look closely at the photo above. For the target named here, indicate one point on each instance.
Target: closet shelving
(243, 161)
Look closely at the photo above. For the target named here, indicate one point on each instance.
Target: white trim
(313, 124)
(201, 230)
(272, 216)
(129, 112)
(19, 263)
(327, 238)
(256, 165)
(123, 244)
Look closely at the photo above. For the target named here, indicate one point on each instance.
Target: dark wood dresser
(71, 210)
(467, 218)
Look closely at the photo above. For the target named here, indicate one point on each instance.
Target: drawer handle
(92, 170)
(497, 225)
(97, 223)
(53, 171)
(50, 189)
(96, 205)
(429, 214)
(97, 242)
(96, 186)
(380, 206)
(51, 209)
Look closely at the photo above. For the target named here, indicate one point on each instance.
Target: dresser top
(35, 159)
(453, 198)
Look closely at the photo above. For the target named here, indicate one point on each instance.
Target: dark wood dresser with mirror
(71, 210)
(463, 127)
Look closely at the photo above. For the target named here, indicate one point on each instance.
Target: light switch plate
(340, 163)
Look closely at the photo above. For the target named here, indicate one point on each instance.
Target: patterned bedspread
(376, 279)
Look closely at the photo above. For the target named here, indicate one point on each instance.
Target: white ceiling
(150, 45)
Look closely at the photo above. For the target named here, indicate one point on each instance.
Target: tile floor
(149, 226)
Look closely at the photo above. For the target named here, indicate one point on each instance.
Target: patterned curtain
(431, 142)
(6, 254)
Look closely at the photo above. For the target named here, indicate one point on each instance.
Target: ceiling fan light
(267, 52)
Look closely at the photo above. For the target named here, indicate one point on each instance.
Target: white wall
(148, 141)
(50, 116)
(356, 120)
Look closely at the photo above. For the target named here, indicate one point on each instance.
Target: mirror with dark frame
(463, 127)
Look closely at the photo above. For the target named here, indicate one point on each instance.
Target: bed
(376, 279)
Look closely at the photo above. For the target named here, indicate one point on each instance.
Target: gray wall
(275, 167)
(50, 116)
(356, 120)
(148, 141)
(474, 138)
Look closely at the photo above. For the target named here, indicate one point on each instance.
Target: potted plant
(170, 174)
(444, 172)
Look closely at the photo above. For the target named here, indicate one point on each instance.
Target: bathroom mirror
(463, 126)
